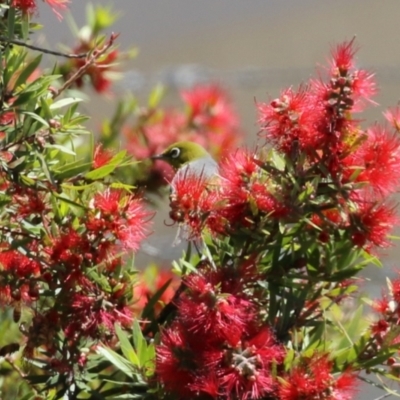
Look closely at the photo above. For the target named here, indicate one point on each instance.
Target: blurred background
(252, 48)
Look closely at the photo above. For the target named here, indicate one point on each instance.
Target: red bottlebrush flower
(343, 58)
(108, 202)
(58, 4)
(26, 6)
(371, 224)
(328, 218)
(124, 216)
(28, 202)
(248, 371)
(69, 248)
(244, 194)
(378, 157)
(176, 363)
(313, 379)
(209, 108)
(101, 156)
(364, 88)
(393, 116)
(208, 384)
(188, 202)
(380, 328)
(18, 264)
(134, 223)
(348, 88)
(238, 168)
(382, 305)
(266, 202)
(289, 121)
(205, 311)
(94, 316)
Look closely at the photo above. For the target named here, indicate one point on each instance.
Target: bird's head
(180, 153)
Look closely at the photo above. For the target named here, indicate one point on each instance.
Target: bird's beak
(157, 157)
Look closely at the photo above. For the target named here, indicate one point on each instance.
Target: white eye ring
(174, 152)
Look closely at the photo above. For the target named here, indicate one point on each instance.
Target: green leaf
(117, 360)
(25, 26)
(101, 172)
(28, 396)
(118, 158)
(45, 168)
(45, 108)
(155, 96)
(71, 170)
(23, 98)
(62, 197)
(64, 102)
(63, 149)
(126, 346)
(11, 22)
(27, 71)
(378, 359)
(148, 309)
(36, 117)
(316, 335)
(138, 338)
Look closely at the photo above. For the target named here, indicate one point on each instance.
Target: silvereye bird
(189, 156)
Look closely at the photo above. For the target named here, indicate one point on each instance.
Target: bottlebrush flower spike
(350, 82)
(58, 5)
(176, 363)
(313, 378)
(188, 202)
(393, 116)
(96, 317)
(122, 216)
(288, 122)
(209, 108)
(18, 264)
(371, 223)
(101, 156)
(204, 310)
(26, 6)
(247, 369)
(378, 157)
(245, 193)
(343, 58)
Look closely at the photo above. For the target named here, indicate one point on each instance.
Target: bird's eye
(175, 152)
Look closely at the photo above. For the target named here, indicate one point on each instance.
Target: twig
(15, 367)
(42, 50)
(95, 54)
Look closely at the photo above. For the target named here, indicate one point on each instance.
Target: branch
(46, 51)
(94, 55)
